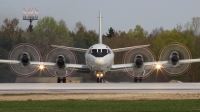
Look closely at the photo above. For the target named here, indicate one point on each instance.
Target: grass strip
(99, 105)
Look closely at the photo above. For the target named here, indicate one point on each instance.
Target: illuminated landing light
(98, 75)
(158, 66)
(101, 75)
(41, 67)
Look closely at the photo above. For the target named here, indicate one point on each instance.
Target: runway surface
(22, 88)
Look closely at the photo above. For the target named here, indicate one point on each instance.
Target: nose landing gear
(100, 80)
(100, 77)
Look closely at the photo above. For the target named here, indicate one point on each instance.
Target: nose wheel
(100, 80)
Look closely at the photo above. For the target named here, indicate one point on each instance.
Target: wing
(127, 48)
(165, 64)
(74, 66)
(34, 63)
(70, 48)
(9, 61)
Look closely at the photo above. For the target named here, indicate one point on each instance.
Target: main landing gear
(99, 77)
(63, 79)
(137, 80)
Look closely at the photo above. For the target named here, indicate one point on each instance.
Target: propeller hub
(60, 62)
(25, 59)
(139, 62)
(174, 60)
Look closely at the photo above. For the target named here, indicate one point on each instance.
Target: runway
(23, 88)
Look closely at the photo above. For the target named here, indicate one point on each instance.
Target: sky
(122, 15)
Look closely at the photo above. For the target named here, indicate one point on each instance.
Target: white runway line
(18, 88)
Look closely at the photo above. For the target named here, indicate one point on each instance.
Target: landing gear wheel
(140, 80)
(64, 79)
(101, 80)
(137, 80)
(98, 79)
(58, 80)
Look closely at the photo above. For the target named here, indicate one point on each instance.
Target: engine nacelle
(60, 61)
(174, 59)
(138, 61)
(25, 59)
(138, 67)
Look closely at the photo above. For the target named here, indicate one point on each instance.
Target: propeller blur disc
(15, 54)
(69, 57)
(147, 57)
(184, 54)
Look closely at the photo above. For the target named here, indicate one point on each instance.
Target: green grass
(99, 106)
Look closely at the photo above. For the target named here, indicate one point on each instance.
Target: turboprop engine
(138, 66)
(174, 53)
(61, 57)
(138, 56)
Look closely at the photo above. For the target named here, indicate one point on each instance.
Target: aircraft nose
(99, 61)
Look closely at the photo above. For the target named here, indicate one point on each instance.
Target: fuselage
(99, 58)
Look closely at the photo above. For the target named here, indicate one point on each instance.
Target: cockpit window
(108, 51)
(104, 51)
(94, 50)
(100, 53)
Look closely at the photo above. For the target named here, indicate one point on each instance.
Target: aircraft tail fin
(100, 35)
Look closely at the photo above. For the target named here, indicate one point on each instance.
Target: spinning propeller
(25, 53)
(173, 53)
(61, 57)
(133, 56)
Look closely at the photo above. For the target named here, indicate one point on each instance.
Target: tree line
(48, 32)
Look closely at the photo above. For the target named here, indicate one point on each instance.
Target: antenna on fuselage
(100, 36)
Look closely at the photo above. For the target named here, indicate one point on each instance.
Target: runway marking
(20, 88)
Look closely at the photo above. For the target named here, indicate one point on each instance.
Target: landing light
(158, 66)
(41, 67)
(101, 75)
(97, 75)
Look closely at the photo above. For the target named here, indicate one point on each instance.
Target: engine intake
(25, 59)
(60, 61)
(174, 58)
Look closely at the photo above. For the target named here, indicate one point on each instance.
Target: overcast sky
(119, 14)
